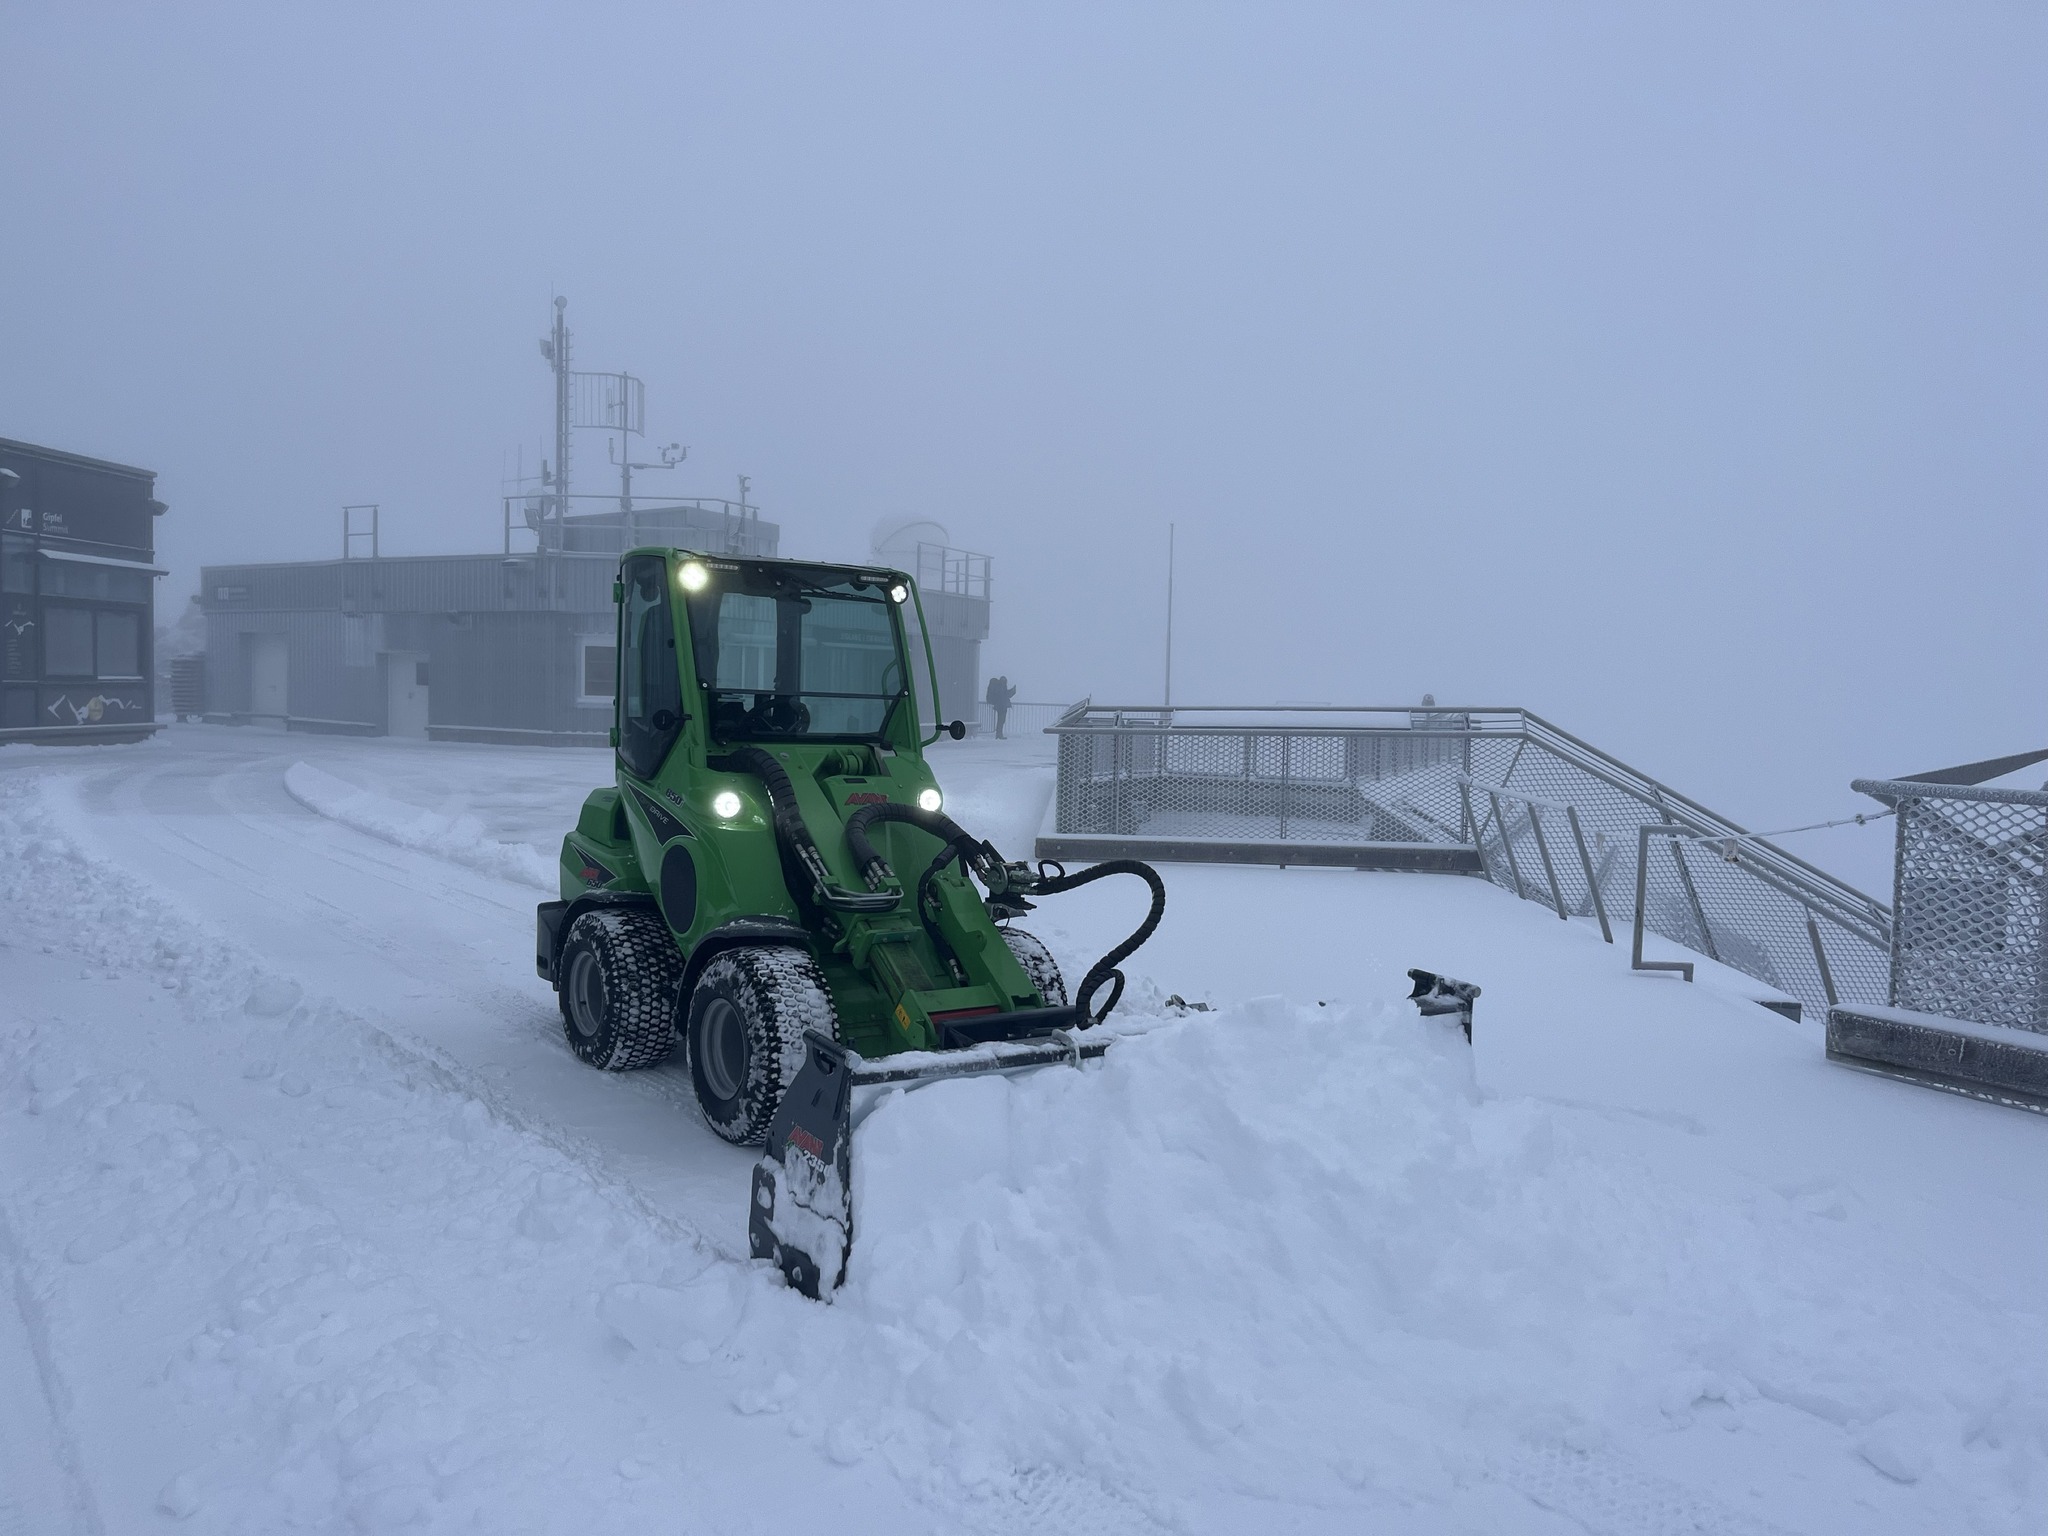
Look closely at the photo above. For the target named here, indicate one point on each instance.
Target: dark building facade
(77, 597)
(512, 648)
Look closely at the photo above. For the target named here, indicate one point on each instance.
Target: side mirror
(957, 730)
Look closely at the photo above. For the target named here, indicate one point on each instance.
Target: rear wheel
(1039, 965)
(745, 1037)
(619, 973)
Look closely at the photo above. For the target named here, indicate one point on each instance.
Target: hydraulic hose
(795, 839)
(875, 869)
(971, 850)
(1105, 969)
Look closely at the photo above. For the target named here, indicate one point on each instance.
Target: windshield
(781, 655)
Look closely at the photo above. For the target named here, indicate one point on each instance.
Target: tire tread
(641, 973)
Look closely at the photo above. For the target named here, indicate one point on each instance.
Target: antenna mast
(1169, 615)
(558, 354)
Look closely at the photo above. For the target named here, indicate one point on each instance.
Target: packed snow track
(309, 1220)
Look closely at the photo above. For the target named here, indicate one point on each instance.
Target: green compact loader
(773, 879)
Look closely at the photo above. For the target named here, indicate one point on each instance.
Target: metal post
(1286, 779)
(1900, 931)
(1119, 768)
(1820, 959)
(1169, 620)
(1586, 863)
(1468, 822)
(2041, 941)
(1692, 895)
(1636, 960)
(1549, 869)
(560, 358)
(1507, 841)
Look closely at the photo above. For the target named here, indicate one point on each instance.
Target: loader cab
(759, 651)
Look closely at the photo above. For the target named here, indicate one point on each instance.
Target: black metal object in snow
(1436, 996)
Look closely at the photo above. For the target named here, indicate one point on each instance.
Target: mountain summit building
(516, 648)
(77, 597)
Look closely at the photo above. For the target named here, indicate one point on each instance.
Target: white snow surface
(310, 1221)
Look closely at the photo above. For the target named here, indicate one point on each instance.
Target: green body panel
(886, 976)
(599, 854)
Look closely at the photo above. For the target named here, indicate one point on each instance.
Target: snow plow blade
(801, 1215)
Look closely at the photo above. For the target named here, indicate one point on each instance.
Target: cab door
(650, 668)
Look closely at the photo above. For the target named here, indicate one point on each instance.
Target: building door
(405, 708)
(268, 678)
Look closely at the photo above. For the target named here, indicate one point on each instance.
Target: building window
(67, 578)
(67, 642)
(78, 642)
(17, 567)
(119, 637)
(599, 670)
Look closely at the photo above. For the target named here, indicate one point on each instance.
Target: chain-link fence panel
(1970, 881)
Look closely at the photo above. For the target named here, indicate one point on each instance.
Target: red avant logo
(866, 797)
(807, 1142)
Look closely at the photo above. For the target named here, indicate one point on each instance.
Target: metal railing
(1024, 717)
(1969, 940)
(942, 568)
(601, 524)
(1547, 816)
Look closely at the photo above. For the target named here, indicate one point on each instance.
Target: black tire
(1039, 965)
(745, 1036)
(619, 971)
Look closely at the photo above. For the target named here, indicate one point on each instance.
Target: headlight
(928, 800)
(899, 593)
(692, 578)
(725, 802)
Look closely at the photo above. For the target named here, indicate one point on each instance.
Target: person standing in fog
(999, 695)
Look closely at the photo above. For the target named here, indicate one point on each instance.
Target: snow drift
(460, 838)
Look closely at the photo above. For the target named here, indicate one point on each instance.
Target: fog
(1677, 372)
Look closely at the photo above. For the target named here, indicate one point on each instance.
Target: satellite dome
(896, 538)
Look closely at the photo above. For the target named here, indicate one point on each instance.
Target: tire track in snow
(43, 1489)
(437, 997)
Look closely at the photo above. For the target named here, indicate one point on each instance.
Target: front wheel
(619, 974)
(1039, 965)
(745, 1037)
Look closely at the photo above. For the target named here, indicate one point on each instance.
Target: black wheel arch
(741, 933)
(553, 920)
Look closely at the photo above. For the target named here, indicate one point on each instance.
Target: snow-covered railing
(1475, 790)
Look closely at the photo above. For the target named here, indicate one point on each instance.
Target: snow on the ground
(459, 837)
(308, 1220)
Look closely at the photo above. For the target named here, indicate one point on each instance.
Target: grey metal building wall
(514, 677)
(501, 637)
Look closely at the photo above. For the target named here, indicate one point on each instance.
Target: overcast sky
(1675, 371)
